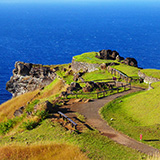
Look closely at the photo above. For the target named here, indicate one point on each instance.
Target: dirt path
(90, 111)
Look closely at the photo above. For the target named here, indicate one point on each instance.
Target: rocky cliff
(28, 77)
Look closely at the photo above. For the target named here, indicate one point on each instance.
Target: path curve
(91, 112)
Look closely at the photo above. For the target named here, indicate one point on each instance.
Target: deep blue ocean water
(54, 33)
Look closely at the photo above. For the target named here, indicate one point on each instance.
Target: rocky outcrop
(114, 55)
(44, 106)
(19, 111)
(147, 79)
(109, 55)
(131, 62)
(29, 77)
(83, 66)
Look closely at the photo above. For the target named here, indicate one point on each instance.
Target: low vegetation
(130, 71)
(8, 108)
(135, 114)
(34, 135)
(89, 57)
(42, 152)
(151, 72)
(94, 145)
(99, 75)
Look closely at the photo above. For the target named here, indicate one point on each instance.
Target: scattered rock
(87, 100)
(19, 111)
(103, 66)
(73, 87)
(70, 72)
(64, 69)
(77, 100)
(44, 106)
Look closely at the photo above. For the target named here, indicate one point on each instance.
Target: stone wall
(83, 66)
(147, 79)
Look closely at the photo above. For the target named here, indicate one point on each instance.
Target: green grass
(151, 72)
(128, 70)
(50, 86)
(68, 78)
(30, 107)
(89, 57)
(92, 143)
(93, 94)
(135, 114)
(97, 75)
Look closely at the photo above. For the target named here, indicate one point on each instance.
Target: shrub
(42, 115)
(29, 125)
(30, 107)
(6, 126)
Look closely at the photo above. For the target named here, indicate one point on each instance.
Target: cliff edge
(28, 77)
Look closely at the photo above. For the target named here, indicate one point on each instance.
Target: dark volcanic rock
(19, 111)
(29, 77)
(131, 62)
(73, 87)
(108, 54)
(44, 106)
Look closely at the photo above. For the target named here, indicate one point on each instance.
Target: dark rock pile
(114, 55)
(108, 55)
(29, 77)
(91, 86)
(131, 62)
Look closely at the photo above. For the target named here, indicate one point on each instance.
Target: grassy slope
(89, 57)
(151, 72)
(38, 152)
(97, 75)
(90, 142)
(137, 114)
(128, 70)
(95, 145)
(8, 108)
(52, 90)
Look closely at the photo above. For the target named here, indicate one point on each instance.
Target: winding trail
(91, 112)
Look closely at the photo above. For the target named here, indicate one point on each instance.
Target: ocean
(54, 33)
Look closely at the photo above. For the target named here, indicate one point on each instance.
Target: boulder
(107, 54)
(78, 75)
(114, 54)
(103, 66)
(73, 87)
(63, 94)
(44, 106)
(19, 111)
(87, 89)
(22, 68)
(70, 72)
(131, 62)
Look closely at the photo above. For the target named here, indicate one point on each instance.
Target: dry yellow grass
(8, 108)
(55, 89)
(156, 157)
(42, 152)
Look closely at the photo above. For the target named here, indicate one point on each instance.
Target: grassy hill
(39, 137)
(136, 114)
(152, 73)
